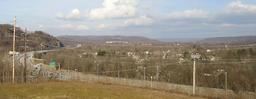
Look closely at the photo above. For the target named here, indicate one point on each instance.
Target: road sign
(53, 63)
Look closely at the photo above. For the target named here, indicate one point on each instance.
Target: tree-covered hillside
(35, 40)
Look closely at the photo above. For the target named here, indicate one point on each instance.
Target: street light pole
(13, 50)
(194, 57)
(194, 77)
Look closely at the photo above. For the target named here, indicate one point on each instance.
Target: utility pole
(226, 84)
(97, 71)
(118, 72)
(68, 67)
(151, 81)
(13, 50)
(41, 45)
(144, 69)
(76, 76)
(157, 72)
(194, 77)
(218, 73)
(194, 57)
(25, 57)
(59, 66)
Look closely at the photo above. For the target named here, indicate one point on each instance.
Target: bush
(101, 53)
(38, 55)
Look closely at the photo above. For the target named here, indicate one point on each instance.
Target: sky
(149, 18)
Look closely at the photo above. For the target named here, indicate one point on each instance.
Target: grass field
(80, 90)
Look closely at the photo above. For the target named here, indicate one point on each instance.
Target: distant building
(165, 54)
(130, 53)
(146, 44)
(96, 53)
(181, 60)
(147, 52)
(179, 55)
(79, 45)
(116, 42)
(208, 50)
(212, 58)
(226, 46)
(11, 53)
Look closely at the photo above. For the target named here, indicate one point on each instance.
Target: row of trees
(6, 70)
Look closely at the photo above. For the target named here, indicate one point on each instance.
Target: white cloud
(114, 9)
(75, 27)
(238, 6)
(228, 25)
(187, 14)
(102, 26)
(82, 27)
(74, 14)
(142, 20)
(40, 26)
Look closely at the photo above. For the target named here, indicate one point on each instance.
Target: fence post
(144, 77)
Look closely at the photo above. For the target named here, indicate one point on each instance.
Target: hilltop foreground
(79, 90)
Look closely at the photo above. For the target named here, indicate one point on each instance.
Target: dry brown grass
(80, 90)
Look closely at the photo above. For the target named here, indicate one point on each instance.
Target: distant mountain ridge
(104, 39)
(182, 40)
(230, 40)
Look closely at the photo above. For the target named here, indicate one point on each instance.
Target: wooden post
(157, 72)
(13, 51)
(226, 84)
(144, 76)
(25, 57)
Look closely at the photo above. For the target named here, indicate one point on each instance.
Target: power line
(231, 62)
(150, 67)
